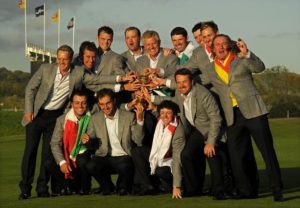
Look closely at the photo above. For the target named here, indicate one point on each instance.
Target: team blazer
(130, 61)
(129, 131)
(168, 63)
(40, 85)
(111, 64)
(178, 142)
(198, 60)
(205, 112)
(242, 87)
(57, 139)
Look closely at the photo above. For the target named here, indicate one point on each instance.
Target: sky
(271, 28)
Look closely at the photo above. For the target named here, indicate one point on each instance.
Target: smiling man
(118, 131)
(46, 96)
(201, 119)
(231, 76)
(69, 154)
(183, 47)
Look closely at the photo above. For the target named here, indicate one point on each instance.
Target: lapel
(181, 108)
(121, 124)
(215, 74)
(71, 80)
(102, 121)
(130, 60)
(104, 59)
(194, 102)
(161, 60)
(232, 68)
(52, 74)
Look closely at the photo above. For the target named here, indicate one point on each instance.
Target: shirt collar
(189, 95)
(116, 116)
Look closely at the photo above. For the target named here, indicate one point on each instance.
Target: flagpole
(44, 32)
(73, 43)
(25, 14)
(58, 29)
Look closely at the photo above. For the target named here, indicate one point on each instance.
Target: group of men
(152, 115)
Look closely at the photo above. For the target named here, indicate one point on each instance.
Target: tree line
(279, 88)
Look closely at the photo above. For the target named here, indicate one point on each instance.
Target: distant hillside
(13, 83)
(12, 88)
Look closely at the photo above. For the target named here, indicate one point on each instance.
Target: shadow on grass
(291, 182)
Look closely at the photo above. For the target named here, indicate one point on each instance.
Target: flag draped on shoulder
(71, 23)
(39, 11)
(22, 4)
(55, 17)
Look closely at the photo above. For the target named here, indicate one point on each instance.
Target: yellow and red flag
(22, 4)
(55, 17)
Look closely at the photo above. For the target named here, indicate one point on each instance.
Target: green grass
(286, 140)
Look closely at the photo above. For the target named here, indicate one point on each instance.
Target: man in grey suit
(116, 130)
(135, 50)
(71, 173)
(108, 62)
(231, 77)
(201, 119)
(46, 96)
(155, 62)
(162, 158)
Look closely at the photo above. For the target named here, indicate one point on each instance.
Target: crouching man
(68, 152)
(117, 131)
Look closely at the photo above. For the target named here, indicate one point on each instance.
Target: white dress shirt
(59, 93)
(115, 148)
(187, 103)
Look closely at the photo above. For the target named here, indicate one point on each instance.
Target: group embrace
(151, 115)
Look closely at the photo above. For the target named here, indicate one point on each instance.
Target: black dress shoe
(43, 194)
(278, 196)
(146, 190)
(24, 196)
(67, 191)
(219, 196)
(123, 192)
(243, 196)
(84, 192)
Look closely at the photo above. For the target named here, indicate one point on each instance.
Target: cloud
(10, 10)
(279, 35)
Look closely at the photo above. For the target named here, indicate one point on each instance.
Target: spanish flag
(55, 17)
(22, 4)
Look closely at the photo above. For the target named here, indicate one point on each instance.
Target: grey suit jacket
(178, 142)
(129, 131)
(111, 64)
(205, 111)
(198, 60)
(57, 139)
(130, 61)
(242, 87)
(168, 63)
(40, 85)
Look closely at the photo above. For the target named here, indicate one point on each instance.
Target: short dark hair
(184, 71)
(81, 93)
(106, 92)
(179, 31)
(86, 45)
(106, 29)
(197, 27)
(133, 28)
(66, 48)
(210, 24)
(168, 105)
